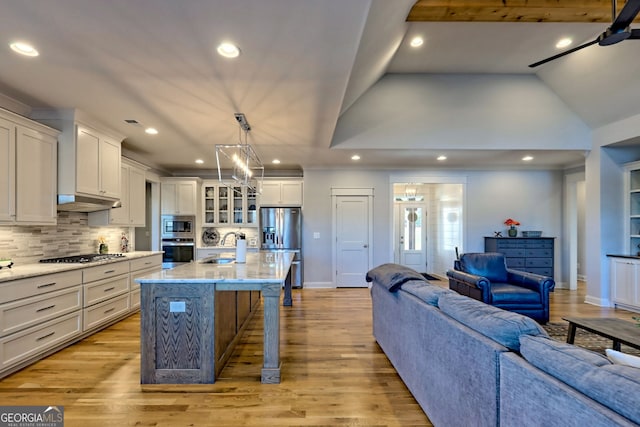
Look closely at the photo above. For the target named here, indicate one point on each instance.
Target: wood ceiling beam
(513, 10)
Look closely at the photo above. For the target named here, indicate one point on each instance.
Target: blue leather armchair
(485, 277)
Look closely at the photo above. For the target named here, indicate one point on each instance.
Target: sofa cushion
(426, 291)
(502, 326)
(566, 362)
(615, 386)
(504, 293)
(392, 276)
(489, 265)
(592, 374)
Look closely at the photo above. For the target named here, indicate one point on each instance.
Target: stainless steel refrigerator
(281, 228)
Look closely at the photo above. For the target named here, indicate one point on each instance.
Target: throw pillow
(623, 359)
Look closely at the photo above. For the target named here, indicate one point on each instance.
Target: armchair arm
(471, 280)
(536, 282)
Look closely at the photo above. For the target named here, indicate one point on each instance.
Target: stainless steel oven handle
(178, 244)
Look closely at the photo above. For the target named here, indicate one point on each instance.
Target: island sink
(217, 260)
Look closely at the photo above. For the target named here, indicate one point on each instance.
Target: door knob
(365, 246)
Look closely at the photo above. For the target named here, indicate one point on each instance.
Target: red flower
(511, 222)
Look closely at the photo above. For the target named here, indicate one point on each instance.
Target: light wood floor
(333, 374)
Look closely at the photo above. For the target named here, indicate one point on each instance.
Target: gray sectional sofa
(471, 364)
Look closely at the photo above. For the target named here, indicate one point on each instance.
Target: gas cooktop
(83, 258)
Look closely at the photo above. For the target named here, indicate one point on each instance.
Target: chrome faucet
(224, 238)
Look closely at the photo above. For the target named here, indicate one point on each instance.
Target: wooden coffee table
(620, 331)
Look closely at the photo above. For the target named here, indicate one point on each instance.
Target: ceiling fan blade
(635, 34)
(626, 16)
(566, 52)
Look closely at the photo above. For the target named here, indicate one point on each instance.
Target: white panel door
(352, 235)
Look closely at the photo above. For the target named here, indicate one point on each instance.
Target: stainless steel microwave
(174, 227)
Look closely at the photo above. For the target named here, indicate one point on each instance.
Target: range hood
(75, 203)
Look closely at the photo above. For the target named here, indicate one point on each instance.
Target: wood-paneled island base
(181, 315)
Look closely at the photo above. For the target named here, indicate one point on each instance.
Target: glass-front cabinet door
(251, 210)
(228, 206)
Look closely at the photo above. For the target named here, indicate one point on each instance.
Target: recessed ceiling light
(355, 157)
(527, 158)
(24, 49)
(441, 158)
(416, 41)
(228, 50)
(563, 43)
(151, 131)
(275, 161)
(199, 161)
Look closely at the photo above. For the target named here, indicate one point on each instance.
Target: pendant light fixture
(238, 164)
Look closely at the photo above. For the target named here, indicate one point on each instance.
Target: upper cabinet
(98, 164)
(225, 206)
(179, 196)
(131, 213)
(28, 168)
(88, 154)
(281, 193)
(632, 207)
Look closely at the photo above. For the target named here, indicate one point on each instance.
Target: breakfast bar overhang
(178, 316)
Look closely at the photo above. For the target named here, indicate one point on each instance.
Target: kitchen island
(180, 316)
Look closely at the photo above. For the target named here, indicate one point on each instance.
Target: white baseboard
(317, 285)
(600, 302)
(562, 285)
(582, 277)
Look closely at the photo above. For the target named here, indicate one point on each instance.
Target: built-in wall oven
(178, 240)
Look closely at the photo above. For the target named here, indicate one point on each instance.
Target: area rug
(585, 339)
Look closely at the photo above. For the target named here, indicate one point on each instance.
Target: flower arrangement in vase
(512, 224)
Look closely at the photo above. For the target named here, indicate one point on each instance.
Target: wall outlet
(316, 235)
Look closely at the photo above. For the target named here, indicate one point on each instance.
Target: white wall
(532, 197)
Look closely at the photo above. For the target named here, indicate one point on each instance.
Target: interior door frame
(403, 178)
(349, 192)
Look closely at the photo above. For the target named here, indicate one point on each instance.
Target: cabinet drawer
(135, 299)
(541, 271)
(146, 262)
(104, 289)
(539, 253)
(103, 312)
(539, 262)
(24, 313)
(542, 244)
(104, 271)
(22, 345)
(509, 244)
(512, 253)
(23, 288)
(515, 262)
(135, 285)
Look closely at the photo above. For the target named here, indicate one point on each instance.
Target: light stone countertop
(261, 267)
(38, 269)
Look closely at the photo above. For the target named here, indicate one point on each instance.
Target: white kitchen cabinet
(281, 193)
(28, 169)
(132, 199)
(625, 282)
(36, 170)
(179, 196)
(141, 267)
(38, 314)
(106, 293)
(98, 164)
(88, 154)
(7, 170)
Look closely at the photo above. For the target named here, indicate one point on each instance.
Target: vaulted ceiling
(305, 65)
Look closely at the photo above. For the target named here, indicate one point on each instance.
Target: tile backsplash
(71, 236)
